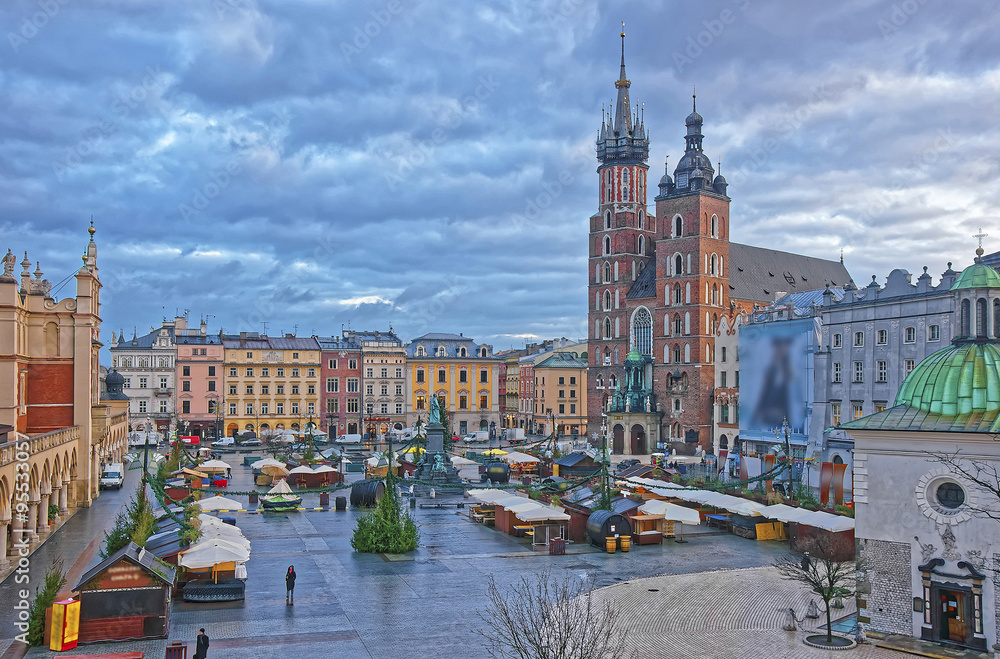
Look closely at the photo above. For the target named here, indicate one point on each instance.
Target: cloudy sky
(315, 164)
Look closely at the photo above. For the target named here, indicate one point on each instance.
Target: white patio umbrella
(281, 487)
(267, 462)
(671, 511)
(212, 552)
(214, 466)
(302, 469)
(322, 469)
(219, 503)
(213, 531)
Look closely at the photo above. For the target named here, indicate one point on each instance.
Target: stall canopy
(784, 513)
(267, 462)
(491, 496)
(827, 522)
(542, 513)
(323, 469)
(219, 503)
(214, 466)
(302, 469)
(213, 551)
(281, 487)
(745, 507)
(516, 457)
(671, 511)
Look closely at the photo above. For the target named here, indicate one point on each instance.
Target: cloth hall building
(660, 281)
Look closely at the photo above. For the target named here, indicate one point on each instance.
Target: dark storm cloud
(431, 164)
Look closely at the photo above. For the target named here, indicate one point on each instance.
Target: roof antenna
(841, 255)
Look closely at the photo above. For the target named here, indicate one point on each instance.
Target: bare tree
(983, 474)
(825, 577)
(544, 618)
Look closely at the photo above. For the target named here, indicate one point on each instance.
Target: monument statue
(435, 416)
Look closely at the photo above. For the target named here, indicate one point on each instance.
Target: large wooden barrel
(603, 524)
(367, 494)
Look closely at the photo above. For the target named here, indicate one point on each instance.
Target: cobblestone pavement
(425, 604)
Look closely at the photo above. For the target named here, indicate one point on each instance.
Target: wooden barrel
(367, 494)
(625, 542)
(611, 543)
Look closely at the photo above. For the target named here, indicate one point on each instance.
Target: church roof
(977, 275)
(757, 273)
(644, 285)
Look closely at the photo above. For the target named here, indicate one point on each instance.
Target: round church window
(950, 495)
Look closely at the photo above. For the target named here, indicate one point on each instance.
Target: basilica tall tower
(622, 235)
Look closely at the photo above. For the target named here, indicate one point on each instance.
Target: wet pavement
(424, 603)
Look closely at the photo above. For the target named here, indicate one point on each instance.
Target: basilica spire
(623, 109)
(622, 140)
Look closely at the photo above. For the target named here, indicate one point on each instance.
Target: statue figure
(860, 637)
(435, 415)
(439, 467)
(8, 264)
(648, 405)
(790, 624)
(628, 403)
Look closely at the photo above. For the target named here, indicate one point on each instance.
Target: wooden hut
(125, 597)
(577, 465)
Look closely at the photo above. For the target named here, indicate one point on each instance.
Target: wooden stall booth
(125, 597)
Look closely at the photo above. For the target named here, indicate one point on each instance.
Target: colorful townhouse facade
(340, 377)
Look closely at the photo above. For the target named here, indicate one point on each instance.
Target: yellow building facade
(270, 384)
(462, 373)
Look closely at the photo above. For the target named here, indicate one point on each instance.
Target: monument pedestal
(435, 467)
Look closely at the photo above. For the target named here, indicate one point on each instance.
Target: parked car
(455, 438)
(253, 441)
(225, 441)
(352, 438)
(625, 464)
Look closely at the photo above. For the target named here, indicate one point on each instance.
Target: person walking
(290, 585)
(201, 646)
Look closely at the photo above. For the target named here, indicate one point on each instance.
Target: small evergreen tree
(55, 579)
(386, 530)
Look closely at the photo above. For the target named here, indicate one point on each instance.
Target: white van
(349, 439)
(112, 476)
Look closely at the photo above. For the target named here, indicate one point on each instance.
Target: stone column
(64, 497)
(4, 563)
(31, 525)
(10, 552)
(43, 515)
(70, 487)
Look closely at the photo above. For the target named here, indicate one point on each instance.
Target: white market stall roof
(671, 511)
(459, 460)
(542, 513)
(302, 469)
(219, 503)
(518, 457)
(214, 465)
(515, 506)
(746, 507)
(210, 531)
(492, 496)
(826, 521)
(322, 469)
(784, 513)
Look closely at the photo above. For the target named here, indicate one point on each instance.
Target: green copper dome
(634, 356)
(977, 275)
(963, 378)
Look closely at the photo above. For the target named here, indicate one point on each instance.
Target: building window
(837, 372)
(310, 408)
(332, 385)
(265, 389)
(420, 375)
(232, 409)
(295, 355)
(352, 385)
(280, 389)
(724, 413)
(399, 390)
(279, 408)
(463, 402)
(186, 370)
(369, 390)
(281, 371)
(250, 354)
(572, 408)
(385, 372)
(882, 337)
(332, 364)
(295, 408)
(484, 401)
(352, 405)
(369, 372)
(910, 335)
(211, 371)
(249, 390)
(907, 366)
(421, 402)
(265, 372)
(211, 385)
(722, 378)
(249, 371)
(232, 390)
(186, 385)
(263, 408)
(463, 376)
(295, 372)
(562, 393)
(642, 332)
(399, 408)
(352, 364)
(384, 390)
(934, 333)
(331, 406)
(562, 408)
(484, 376)
(882, 371)
(310, 389)
(858, 411)
(399, 372)
(880, 407)
(384, 408)
(142, 407)
(838, 340)
(859, 372)
(442, 377)
(212, 407)
(859, 339)
(249, 409)
(295, 390)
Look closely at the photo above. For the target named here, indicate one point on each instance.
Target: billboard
(776, 370)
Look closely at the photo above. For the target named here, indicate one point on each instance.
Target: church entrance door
(618, 440)
(638, 440)
(951, 612)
